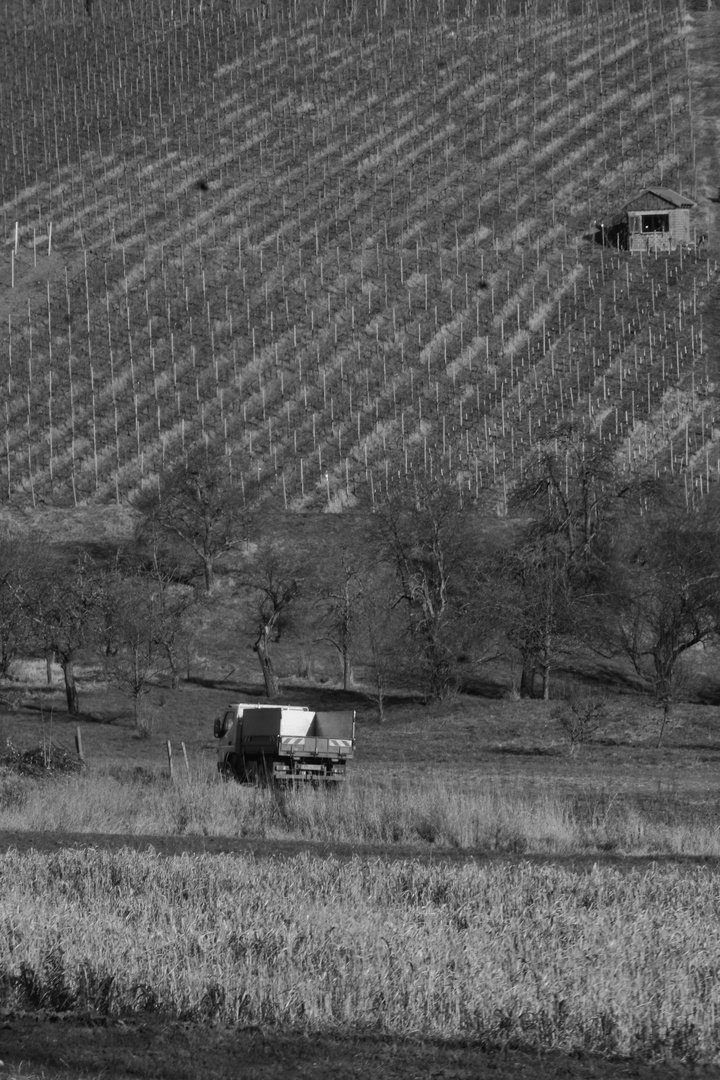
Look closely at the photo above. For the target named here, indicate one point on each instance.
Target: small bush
(147, 721)
(49, 759)
(12, 790)
(580, 718)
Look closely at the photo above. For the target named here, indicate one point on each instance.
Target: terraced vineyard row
(346, 246)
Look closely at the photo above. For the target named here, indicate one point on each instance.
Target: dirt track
(288, 849)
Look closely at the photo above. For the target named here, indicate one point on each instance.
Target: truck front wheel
(228, 769)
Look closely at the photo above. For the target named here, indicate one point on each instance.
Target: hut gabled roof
(666, 195)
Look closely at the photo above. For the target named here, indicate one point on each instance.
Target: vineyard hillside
(347, 245)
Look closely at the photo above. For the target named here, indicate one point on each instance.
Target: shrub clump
(40, 761)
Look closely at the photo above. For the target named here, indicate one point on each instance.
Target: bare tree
(537, 608)
(557, 563)
(64, 603)
(666, 598)
(384, 635)
(426, 537)
(174, 598)
(146, 618)
(16, 569)
(273, 586)
(196, 506)
(338, 607)
(572, 488)
(580, 718)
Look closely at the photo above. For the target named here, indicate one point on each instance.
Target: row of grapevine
(344, 252)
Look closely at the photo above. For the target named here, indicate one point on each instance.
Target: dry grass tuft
(495, 816)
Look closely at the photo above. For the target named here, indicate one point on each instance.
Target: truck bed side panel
(333, 725)
(260, 722)
(295, 721)
(271, 723)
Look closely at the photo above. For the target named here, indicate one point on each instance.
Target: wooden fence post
(78, 744)
(187, 764)
(169, 754)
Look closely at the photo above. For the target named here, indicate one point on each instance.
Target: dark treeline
(422, 594)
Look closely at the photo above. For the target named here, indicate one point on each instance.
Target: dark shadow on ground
(150, 1048)
(485, 688)
(255, 691)
(695, 746)
(709, 695)
(256, 848)
(524, 751)
(62, 716)
(312, 696)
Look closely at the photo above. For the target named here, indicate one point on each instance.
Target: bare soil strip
(151, 1050)
(167, 846)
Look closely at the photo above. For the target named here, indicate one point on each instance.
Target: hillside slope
(346, 246)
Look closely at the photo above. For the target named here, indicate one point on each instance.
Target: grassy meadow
(478, 773)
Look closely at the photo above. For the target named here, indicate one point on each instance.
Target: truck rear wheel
(256, 773)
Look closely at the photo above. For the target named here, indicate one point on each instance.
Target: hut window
(656, 223)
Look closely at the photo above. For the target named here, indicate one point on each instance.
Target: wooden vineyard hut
(658, 219)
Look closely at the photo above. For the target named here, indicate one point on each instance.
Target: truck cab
(228, 729)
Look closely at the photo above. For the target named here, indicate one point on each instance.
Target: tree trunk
(664, 722)
(49, 657)
(71, 694)
(209, 573)
(381, 702)
(527, 678)
(5, 658)
(440, 674)
(546, 650)
(174, 669)
(272, 688)
(347, 669)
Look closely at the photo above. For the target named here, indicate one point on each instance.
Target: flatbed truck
(284, 743)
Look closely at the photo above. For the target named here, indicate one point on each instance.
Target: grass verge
(442, 812)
